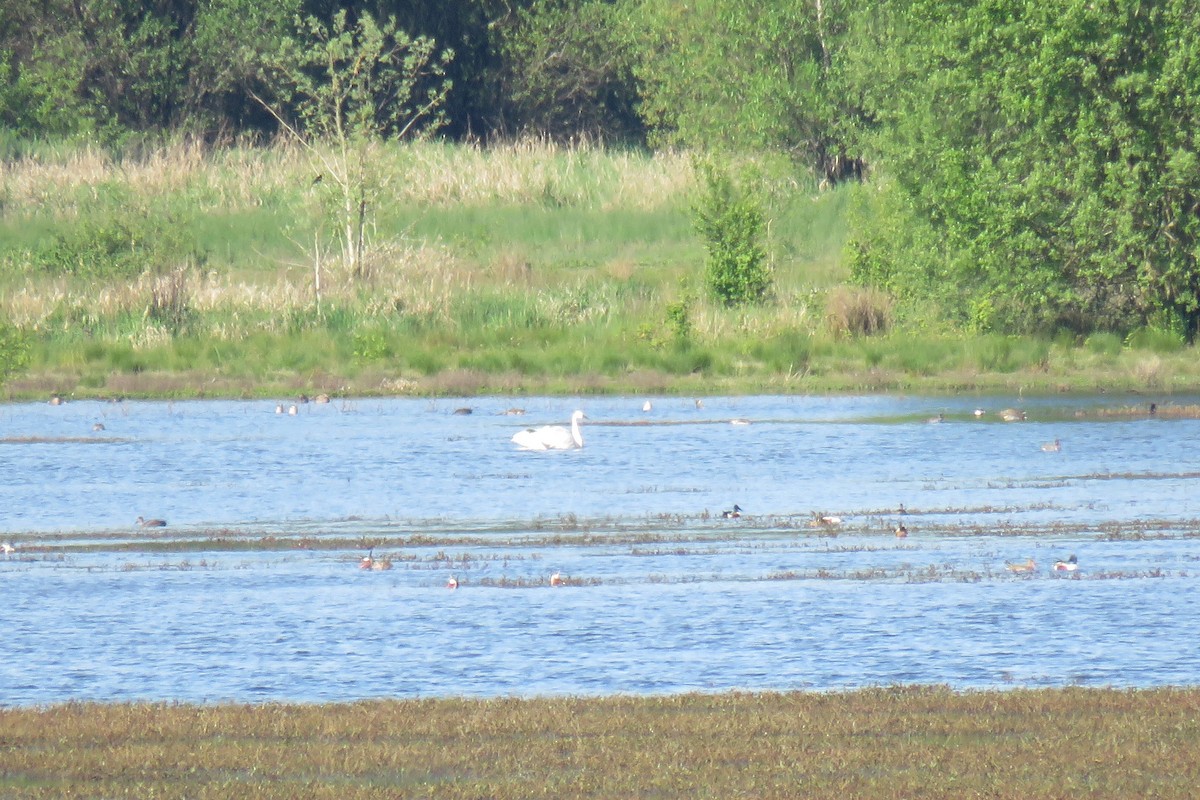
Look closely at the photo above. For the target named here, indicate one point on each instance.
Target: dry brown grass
(431, 174)
(856, 311)
(877, 743)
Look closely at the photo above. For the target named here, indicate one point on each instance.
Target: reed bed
(887, 742)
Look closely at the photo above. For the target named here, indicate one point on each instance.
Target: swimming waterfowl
(464, 411)
(739, 421)
(381, 564)
(279, 408)
(556, 580)
(292, 410)
(1027, 566)
(901, 531)
(647, 407)
(1070, 565)
(452, 583)
(56, 399)
(152, 523)
(368, 560)
(551, 437)
(98, 426)
(939, 418)
(8, 549)
(825, 520)
(322, 398)
(1012, 415)
(1052, 447)
(732, 514)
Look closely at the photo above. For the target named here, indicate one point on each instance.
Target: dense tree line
(1029, 166)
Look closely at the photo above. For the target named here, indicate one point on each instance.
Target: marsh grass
(888, 742)
(181, 270)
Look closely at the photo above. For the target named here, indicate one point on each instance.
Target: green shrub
(14, 350)
(732, 221)
(371, 345)
(1104, 344)
(1156, 340)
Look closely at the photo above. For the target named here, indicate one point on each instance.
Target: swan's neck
(575, 434)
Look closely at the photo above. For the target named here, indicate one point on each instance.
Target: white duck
(551, 437)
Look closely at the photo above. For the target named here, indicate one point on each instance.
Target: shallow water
(663, 595)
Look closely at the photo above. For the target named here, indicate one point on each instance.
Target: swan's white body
(551, 437)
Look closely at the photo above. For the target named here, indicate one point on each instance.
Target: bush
(732, 221)
(14, 350)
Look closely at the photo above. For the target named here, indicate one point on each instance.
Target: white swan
(551, 437)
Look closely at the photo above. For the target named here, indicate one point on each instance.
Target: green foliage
(363, 80)
(679, 317)
(755, 75)
(567, 71)
(1156, 340)
(116, 243)
(14, 350)
(352, 85)
(732, 221)
(1058, 189)
(371, 345)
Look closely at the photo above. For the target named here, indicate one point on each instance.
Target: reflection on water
(252, 591)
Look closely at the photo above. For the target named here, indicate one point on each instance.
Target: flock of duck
(1070, 564)
(557, 437)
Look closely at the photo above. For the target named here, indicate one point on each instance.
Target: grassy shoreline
(1182, 379)
(523, 269)
(916, 741)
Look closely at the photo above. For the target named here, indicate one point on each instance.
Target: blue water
(663, 595)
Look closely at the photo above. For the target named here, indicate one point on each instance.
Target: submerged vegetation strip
(886, 742)
(701, 530)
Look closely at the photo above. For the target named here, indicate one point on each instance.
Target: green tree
(42, 86)
(752, 75)
(567, 70)
(111, 67)
(230, 49)
(352, 85)
(1041, 163)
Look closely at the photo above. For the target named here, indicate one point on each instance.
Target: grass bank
(185, 271)
(875, 743)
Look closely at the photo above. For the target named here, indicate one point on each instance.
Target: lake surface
(252, 592)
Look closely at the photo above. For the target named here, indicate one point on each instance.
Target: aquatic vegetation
(886, 742)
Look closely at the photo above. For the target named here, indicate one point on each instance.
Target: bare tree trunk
(826, 62)
(317, 269)
(348, 246)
